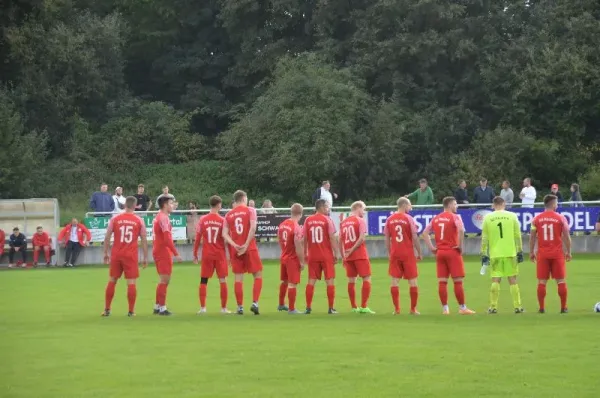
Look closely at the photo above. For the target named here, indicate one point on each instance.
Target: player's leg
(351, 273)
(363, 268)
(497, 272)
(68, 253)
(442, 274)
(36, 254)
(314, 274)
(47, 254)
(222, 273)
(114, 273)
(293, 276)
(75, 256)
(11, 257)
(254, 266)
(238, 268)
(132, 272)
(329, 272)
(558, 269)
(511, 269)
(207, 268)
(543, 274)
(411, 274)
(457, 272)
(283, 287)
(161, 291)
(395, 273)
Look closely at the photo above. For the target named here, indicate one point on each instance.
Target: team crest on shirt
(478, 217)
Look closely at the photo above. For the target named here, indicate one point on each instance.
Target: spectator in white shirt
(325, 194)
(528, 193)
(119, 200)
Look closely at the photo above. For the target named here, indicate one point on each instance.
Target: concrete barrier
(376, 248)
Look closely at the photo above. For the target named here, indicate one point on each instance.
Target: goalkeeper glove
(519, 257)
(485, 262)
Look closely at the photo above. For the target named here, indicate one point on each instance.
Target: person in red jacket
(41, 241)
(2, 242)
(73, 237)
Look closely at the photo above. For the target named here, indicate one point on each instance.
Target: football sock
(330, 295)
(109, 294)
(352, 294)
(414, 296)
(310, 292)
(131, 296)
(395, 291)
(516, 295)
(459, 292)
(443, 292)
(562, 293)
(292, 298)
(282, 292)
(365, 294)
(541, 295)
(161, 293)
(256, 289)
(494, 294)
(202, 293)
(239, 293)
(223, 294)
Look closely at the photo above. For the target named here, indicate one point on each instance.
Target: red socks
(131, 296)
(395, 291)
(256, 289)
(161, 294)
(541, 295)
(310, 292)
(202, 294)
(459, 292)
(414, 296)
(352, 294)
(365, 293)
(239, 293)
(223, 295)
(443, 292)
(282, 292)
(562, 293)
(292, 298)
(330, 295)
(36, 256)
(109, 293)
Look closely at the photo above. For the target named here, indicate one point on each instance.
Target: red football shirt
(40, 239)
(289, 231)
(209, 229)
(550, 226)
(317, 231)
(445, 227)
(126, 228)
(162, 238)
(238, 221)
(400, 227)
(351, 229)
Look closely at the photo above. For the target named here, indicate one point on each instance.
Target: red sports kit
(445, 227)
(238, 220)
(289, 232)
(317, 231)
(163, 248)
(209, 231)
(357, 264)
(127, 228)
(403, 262)
(551, 256)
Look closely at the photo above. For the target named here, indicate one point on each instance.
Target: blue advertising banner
(579, 218)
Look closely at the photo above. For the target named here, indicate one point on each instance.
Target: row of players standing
(318, 245)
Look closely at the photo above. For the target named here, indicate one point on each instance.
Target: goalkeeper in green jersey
(502, 248)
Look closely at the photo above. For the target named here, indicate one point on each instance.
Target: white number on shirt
(239, 226)
(316, 234)
(349, 234)
(442, 231)
(548, 232)
(213, 233)
(399, 233)
(126, 233)
(284, 236)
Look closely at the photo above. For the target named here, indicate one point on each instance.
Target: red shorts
(127, 266)
(450, 264)
(316, 269)
(247, 263)
(209, 266)
(356, 268)
(403, 268)
(551, 268)
(164, 264)
(290, 271)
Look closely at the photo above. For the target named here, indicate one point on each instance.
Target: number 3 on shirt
(316, 234)
(126, 233)
(239, 226)
(399, 234)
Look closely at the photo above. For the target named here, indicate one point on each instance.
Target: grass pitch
(55, 344)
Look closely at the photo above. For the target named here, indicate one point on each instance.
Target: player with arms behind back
(239, 231)
(353, 232)
(551, 231)
(401, 243)
(449, 233)
(127, 228)
(321, 245)
(291, 242)
(209, 231)
(501, 246)
(163, 251)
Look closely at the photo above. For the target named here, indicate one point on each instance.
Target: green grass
(55, 344)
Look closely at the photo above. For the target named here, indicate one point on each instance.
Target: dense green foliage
(282, 94)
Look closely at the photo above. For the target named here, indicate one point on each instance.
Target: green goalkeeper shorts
(504, 267)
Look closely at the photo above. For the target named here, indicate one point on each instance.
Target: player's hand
(485, 260)
(419, 257)
(532, 257)
(242, 250)
(335, 195)
(195, 260)
(106, 259)
(458, 248)
(568, 257)
(519, 257)
(178, 258)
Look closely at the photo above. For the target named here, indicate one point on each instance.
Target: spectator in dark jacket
(18, 243)
(483, 194)
(102, 201)
(554, 191)
(461, 194)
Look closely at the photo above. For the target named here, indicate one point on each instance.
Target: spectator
(554, 191)
(119, 200)
(165, 192)
(192, 219)
(528, 194)
(251, 203)
(483, 194)
(102, 201)
(324, 192)
(2, 242)
(18, 243)
(73, 237)
(507, 193)
(576, 196)
(143, 201)
(423, 195)
(41, 241)
(461, 194)
(267, 207)
(598, 224)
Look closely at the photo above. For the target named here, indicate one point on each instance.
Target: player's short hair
(402, 202)
(239, 195)
(130, 202)
(39, 227)
(320, 203)
(498, 200)
(325, 182)
(296, 209)
(447, 200)
(214, 201)
(422, 181)
(358, 204)
(141, 186)
(164, 200)
(548, 199)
